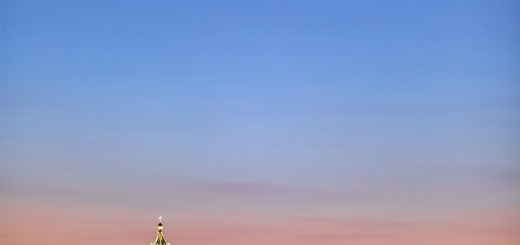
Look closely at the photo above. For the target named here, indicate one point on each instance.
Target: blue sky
(326, 98)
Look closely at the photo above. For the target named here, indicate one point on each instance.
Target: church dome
(160, 236)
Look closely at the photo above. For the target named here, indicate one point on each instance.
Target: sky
(260, 122)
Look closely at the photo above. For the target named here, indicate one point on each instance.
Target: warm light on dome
(159, 240)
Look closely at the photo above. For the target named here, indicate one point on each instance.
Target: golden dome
(160, 236)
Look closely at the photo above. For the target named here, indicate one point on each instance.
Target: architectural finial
(160, 236)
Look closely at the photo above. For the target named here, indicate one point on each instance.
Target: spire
(160, 236)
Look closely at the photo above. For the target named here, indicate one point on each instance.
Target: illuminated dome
(160, 236)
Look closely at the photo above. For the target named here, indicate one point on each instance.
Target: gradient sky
(260, 122)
